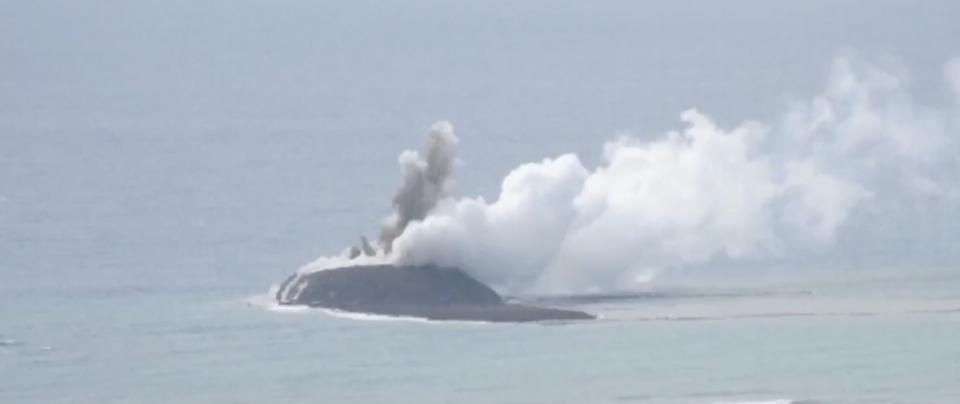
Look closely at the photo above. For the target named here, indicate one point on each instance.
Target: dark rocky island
(417, 291)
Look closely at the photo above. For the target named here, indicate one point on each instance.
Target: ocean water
(213, 345)
(162, 164)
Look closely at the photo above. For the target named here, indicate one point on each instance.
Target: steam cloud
(753, 192)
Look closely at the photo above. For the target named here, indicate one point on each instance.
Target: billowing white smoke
(756, 191)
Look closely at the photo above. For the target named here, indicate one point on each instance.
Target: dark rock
(418, 291)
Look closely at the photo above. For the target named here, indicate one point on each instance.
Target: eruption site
(863, 165)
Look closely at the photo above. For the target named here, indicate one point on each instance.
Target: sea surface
(163, 164)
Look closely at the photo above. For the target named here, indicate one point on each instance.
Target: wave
(9, 342)
(268, 302)
(350, 315)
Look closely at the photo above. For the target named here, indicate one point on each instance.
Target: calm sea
(162, 164)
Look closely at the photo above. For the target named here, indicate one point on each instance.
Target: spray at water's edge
(862, 156)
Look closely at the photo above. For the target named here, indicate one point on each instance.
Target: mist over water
(754, 192)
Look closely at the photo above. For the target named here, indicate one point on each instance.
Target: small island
(428, 292)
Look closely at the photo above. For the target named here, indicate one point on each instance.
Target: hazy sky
(628, 63)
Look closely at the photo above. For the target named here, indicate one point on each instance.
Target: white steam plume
(756, 191)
